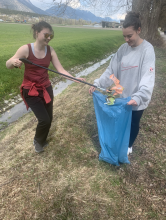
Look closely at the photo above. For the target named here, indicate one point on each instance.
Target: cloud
(119, 16)
(75, 4)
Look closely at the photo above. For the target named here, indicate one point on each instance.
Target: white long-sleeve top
(135, 68)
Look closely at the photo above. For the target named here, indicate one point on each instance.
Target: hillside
(75, 14)
(21, 5)
(68, 13)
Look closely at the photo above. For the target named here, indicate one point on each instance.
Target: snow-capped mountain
(69, 12)
(72, 13)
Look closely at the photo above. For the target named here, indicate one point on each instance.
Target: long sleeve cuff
(135, 98)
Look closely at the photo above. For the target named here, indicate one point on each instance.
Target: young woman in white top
(134, 66)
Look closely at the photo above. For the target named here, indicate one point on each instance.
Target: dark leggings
(136, 116)
(42, 111)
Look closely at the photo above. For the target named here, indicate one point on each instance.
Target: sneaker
(45, 144)
(129, 151)
(38, 147)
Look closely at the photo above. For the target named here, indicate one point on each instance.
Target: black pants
(42, 111)
(136, 116)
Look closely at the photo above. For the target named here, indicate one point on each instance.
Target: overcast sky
(45, 4)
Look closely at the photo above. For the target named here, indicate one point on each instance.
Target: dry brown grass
(68, 181)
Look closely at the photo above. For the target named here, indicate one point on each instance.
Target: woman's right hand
(16, 62)
(91, 90)
(22, 52)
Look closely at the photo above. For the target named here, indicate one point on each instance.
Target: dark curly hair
(37, 27)
(132, 19)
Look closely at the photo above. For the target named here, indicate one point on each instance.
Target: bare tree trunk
(150, 12)
(162, 18)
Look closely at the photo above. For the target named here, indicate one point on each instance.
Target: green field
(74, 46)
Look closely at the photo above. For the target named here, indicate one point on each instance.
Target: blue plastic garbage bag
(114, 123)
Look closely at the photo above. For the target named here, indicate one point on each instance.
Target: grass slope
(74, 46)
(68, 181)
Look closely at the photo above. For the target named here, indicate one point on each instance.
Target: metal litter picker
(69, 77)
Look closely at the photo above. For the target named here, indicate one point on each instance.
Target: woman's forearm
(63, 71)
(66, 73)
(9, 64)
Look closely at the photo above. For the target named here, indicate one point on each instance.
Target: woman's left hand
(132, 102)
(82, 79)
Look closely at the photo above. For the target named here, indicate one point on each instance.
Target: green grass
(74, 46)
